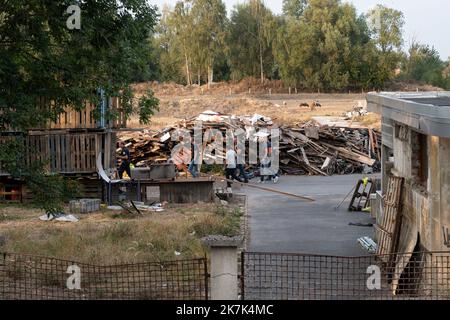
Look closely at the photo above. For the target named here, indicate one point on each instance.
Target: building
(416, 147)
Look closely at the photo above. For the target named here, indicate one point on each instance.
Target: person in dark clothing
(265, 171)
(194, 165)
(230, 170)
(240, 166)
(125, 157)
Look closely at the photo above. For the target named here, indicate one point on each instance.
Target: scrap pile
(313, 150)
(304, 149)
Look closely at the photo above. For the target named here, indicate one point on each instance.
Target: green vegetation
(423, 64)
(314, 45)
(45, 67)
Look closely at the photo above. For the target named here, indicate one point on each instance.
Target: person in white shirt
(230, 170)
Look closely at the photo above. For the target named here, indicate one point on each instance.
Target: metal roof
(427, 112)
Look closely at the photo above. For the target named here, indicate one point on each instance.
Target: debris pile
(304, 149)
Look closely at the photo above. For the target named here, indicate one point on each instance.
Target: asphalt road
(281, 223)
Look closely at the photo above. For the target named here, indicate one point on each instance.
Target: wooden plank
(351, 155)
(390, 221)
(305, 158)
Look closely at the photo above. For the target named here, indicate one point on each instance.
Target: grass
(108, 238)
(370, 120)
(282, 108)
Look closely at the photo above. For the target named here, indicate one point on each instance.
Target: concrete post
(224, 266)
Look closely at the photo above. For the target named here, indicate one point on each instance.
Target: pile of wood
(304, 149)
(312, 150)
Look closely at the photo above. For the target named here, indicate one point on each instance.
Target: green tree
(181, 23)
(386, 27)
(209, 32)
(45, 66)
(326, 48)
(425, 65)
(294, 8)
(170, 53)
(446, 75)
(251, 33)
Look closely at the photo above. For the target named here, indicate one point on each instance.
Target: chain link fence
(28, 277)
(278, 276)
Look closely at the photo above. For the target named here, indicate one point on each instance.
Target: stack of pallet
(305, 149)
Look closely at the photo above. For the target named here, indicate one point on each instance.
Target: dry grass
(109, 238)
(371, 120)
(282, 108)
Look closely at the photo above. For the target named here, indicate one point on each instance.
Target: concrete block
(84, 205)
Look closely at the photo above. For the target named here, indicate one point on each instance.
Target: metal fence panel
(278, 276)
(28, 277)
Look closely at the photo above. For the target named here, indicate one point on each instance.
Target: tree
(209, 32)
(173, 59)
(425, 65)
(294, 8)
(446, 75)
(41, 59)
(386, 27)
(194, 30)
(46, 67)
(326, 48)
(251, 33)
(182, 24)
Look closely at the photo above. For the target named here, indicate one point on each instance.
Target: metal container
(84, 205)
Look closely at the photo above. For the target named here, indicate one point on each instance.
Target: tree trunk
(188, 71)
(210, 75)
(261, 62)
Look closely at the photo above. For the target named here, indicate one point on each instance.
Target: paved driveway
(280, 223)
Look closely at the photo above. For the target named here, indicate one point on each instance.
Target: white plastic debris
(165, 137)
(368, 244)
(177, 253)
(157, 207)
(115, 208)
(61, 218)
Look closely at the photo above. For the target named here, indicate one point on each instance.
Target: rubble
(305, 148)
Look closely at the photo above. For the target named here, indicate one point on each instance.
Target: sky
(426, 21)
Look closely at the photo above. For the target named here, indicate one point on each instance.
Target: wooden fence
(85, 119)
(67, 152)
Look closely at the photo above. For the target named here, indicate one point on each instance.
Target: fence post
(224, 267)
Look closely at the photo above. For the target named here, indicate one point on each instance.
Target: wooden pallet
(68, 152)
(388, 226)
(84, 119)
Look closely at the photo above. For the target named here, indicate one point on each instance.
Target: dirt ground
(111, 237)
(179, 102)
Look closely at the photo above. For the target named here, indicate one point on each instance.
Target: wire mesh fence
(28, 277)
(408, 276)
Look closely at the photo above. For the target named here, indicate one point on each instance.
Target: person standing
(230, 170)
(240, 166)
(193, 166)
(266, 170)
(124, 156)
